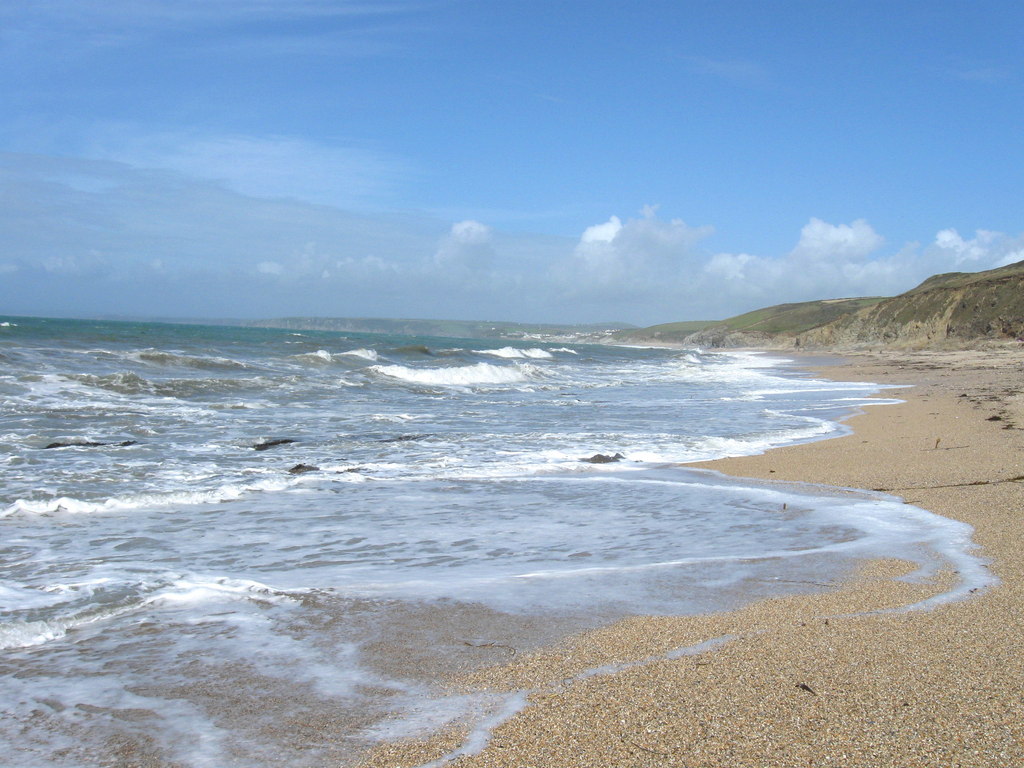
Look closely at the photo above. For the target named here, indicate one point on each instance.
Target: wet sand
(821, 679)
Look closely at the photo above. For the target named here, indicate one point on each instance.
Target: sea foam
(512, 353)
(461, 376)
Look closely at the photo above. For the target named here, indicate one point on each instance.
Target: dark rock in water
(600, 458)
(402, 438)
(271, 443)
(88, 444)
(418, 349)
(301, 469)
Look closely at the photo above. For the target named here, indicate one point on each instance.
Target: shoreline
(823, 678)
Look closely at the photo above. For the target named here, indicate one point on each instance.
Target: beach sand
(816, 680)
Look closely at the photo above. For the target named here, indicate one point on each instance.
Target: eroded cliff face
(953, 311)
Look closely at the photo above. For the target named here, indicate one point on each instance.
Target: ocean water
(252, 547)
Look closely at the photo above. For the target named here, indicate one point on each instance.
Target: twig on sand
(1016, 479)
(509, 648)
(648, 750)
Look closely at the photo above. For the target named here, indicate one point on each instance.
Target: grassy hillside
(955, 308)
(950, 280)
(797, 318)
(751, 327)
(948, 309)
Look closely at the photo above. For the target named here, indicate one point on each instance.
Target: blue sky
(538, 161)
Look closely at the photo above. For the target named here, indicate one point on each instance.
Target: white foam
(396, 418)
(197, 590)
(24, 634)
(72, 506)
(365, 354)
(514, 353)
(462, 376)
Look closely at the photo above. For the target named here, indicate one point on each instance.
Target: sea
(232, 546)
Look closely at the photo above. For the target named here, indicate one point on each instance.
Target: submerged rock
(271, 443)
(301, 469)
(419, 349)
(600, 458)
(87, 444)
(402, 438)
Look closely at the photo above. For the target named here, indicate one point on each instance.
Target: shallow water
(175, 595)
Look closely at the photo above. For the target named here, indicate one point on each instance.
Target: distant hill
(769, 326)
(672, 332)
(954, 309)
(951, 309)
(462, 329)
(780, 324)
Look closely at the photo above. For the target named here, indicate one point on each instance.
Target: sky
(561, 161)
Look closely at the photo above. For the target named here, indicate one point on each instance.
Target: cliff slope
(951, 309)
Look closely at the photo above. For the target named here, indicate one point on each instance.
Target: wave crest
(463, 376)
(365, 354)
(513, 353)
(160, 357)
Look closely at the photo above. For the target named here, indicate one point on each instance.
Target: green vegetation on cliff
(750, 328)
(950, 309)
(796, 318)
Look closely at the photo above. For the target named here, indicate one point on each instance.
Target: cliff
(957, 309)
(954, 309)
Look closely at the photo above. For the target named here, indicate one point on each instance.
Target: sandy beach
(820, 679)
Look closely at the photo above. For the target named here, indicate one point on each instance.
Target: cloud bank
(90, 237)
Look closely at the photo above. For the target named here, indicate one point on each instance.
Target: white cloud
(106, 237)
(467, 247)
(101, 227)
(986, 250)
(729, 266)
(269, 268)
(821, 240)
(977, 249)
(471, 233)
(1011, 257)
(828, 261)
(617, 258)
(602, 233)
(843, 260)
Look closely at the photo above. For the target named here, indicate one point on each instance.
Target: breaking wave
(512, 353)
(464, 376)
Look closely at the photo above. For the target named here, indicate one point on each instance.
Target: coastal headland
(841, 677)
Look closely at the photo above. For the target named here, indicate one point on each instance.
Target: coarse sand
(825, 679)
